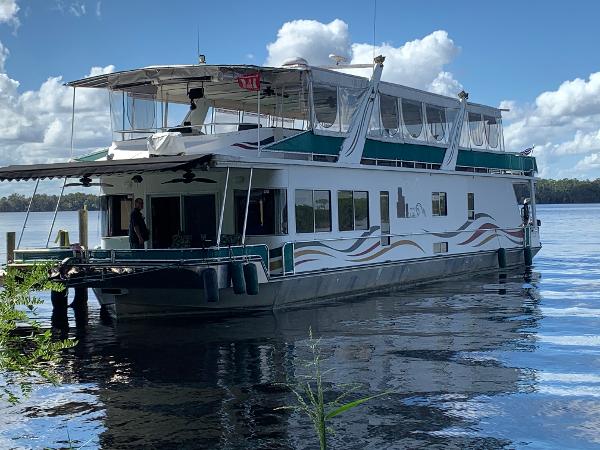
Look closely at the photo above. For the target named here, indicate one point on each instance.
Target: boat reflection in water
(214, 383)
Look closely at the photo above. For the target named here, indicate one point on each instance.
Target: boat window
(439, 206)
(384, 208)
(413, 117)
(141, 112)
(476, 128)
(313, 211)
(436, 120)
(471, 206)
(267, 212)
(491, 131)
(116, 211)
(440, 247)
(349, 100)
(345, 211)
(322, 203)
(132, 113)
(325, 105)
(361, 210)
(390, 117)
(305, 215)
(353, 210)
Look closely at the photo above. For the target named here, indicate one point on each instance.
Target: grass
(310, 393)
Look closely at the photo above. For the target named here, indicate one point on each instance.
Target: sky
(539, 59)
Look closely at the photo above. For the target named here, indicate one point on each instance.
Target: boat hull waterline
(302, 290)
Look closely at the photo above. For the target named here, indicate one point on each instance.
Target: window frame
(329, 217)
(430, 111)
(354, 210)
(384, 218)
(470, 206)
(390, 132)
(442, 204)
(414, 103)
(440, 247)
(314, 211)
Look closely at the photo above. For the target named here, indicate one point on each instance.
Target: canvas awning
(77, 169)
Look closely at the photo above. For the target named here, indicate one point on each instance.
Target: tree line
(44, 202)
(568, 190)
(547, 191)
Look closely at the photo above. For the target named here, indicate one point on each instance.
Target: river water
(491, 361)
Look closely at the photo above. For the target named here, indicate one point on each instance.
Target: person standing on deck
(138, 231)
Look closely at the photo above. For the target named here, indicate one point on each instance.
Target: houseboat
(269, 187)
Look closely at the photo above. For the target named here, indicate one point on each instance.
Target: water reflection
(215, 383)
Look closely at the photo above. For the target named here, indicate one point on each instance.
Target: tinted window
(305, 219)
(438, 204)
(349, 100)
(267, 211)
(361, 210)
(491, 130)
(345, 211)
(413, 117)
(471, 206)
(476, 128)
(390, 117)
(325, 104)
(322, 205)
(436, 120)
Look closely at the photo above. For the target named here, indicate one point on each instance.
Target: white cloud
(3, 55)
(99, 9)
(589, 162)
(8, 12)
(311, 40)
(77, 9)
(36, 124)
(419, 63)
(563, 123)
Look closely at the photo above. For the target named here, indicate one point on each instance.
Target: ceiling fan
(86, 181)
(189, 177)
(270, 92)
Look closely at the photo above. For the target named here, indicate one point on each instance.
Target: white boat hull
(303, 289)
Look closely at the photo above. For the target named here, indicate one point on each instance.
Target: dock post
(59, 299)
(83, 227)
(80, 298)
(10, 246)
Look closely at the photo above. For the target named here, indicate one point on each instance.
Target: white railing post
(247, 204)
(222, 209)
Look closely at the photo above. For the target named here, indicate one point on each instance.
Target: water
(472, 363)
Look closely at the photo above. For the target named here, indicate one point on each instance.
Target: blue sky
(511, 52)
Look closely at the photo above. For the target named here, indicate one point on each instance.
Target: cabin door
(166, 220)
(200, 219)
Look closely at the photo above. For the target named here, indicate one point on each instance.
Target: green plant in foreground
(26, 351)
(310, 395)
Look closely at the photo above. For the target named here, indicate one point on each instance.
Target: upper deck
(296, 111)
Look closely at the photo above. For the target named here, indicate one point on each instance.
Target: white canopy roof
(172, 83)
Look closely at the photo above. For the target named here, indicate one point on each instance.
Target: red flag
(250, 82)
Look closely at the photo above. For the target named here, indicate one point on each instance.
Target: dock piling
(80, 298)
(83, 227)
(10, 246)
(59, 299)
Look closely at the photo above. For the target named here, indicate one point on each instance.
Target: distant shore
(565, 191)
(44, 202)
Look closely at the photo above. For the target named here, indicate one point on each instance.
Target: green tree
(27, 353)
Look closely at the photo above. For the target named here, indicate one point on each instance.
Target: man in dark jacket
(138, 231)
